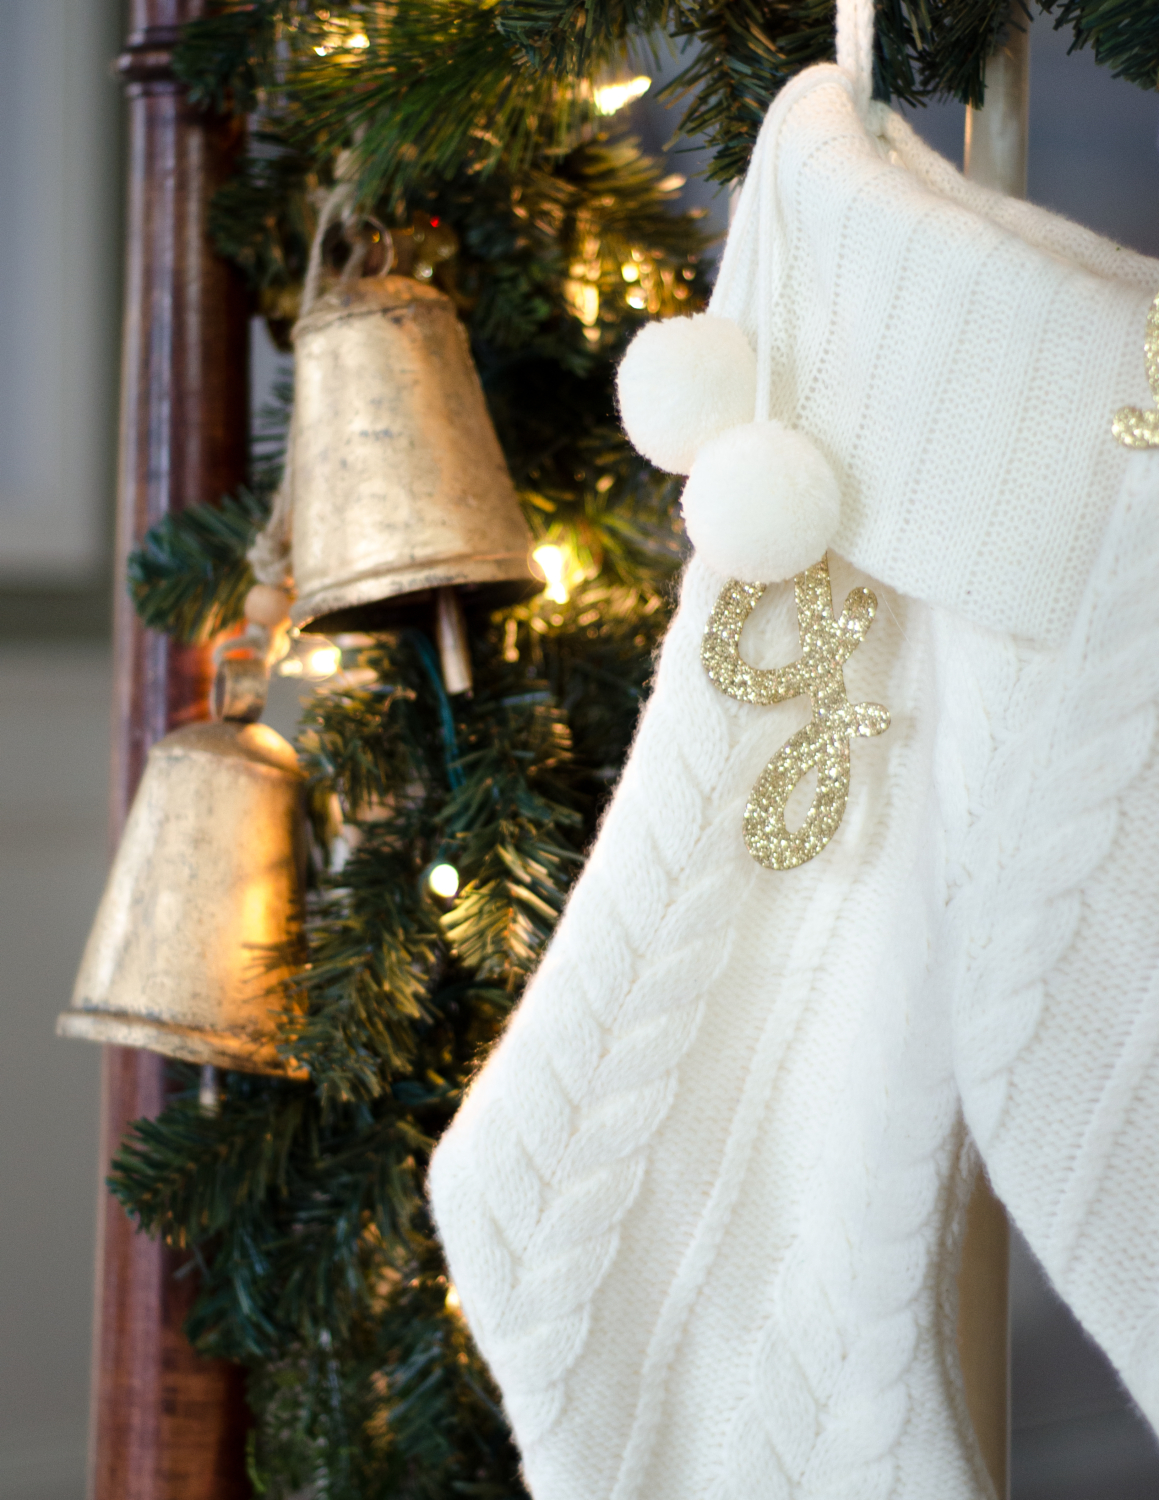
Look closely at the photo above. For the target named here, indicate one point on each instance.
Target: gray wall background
(1094, 157)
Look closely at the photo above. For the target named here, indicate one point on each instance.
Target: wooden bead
(266, 605)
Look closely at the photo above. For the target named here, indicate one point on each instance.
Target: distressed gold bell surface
(399, 486)
(205, 886)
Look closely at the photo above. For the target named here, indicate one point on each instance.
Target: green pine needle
(190, 575)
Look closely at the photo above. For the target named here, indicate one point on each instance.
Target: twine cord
(270, 553)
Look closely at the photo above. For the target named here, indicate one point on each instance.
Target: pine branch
(226, 58)
(573, 38)
(284, 1191)
(747, 50)
(374, 945)
(186, 1173)
(261, 218)
(437, 90)
(512, 834)
(404, 1408)
(1123, 34)
(189, 577)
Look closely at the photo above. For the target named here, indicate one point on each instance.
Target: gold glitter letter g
(826, 644)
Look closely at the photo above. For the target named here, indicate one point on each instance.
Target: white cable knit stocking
(703, 1204)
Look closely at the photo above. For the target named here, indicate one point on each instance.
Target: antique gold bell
(187, 949)
(398, 486)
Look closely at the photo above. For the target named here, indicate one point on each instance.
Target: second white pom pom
(683, 381)
(762, 503)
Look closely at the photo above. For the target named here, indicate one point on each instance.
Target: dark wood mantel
(166, 1425)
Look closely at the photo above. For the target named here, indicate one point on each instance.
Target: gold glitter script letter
(826, 645)
(1132, 427)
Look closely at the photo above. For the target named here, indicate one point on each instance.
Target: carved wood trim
(166, 1425)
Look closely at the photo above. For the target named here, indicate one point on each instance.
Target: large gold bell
(187, 949)
(398, 485)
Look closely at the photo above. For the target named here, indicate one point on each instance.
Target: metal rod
(997, 135)
(454, 651)
(209, 1090)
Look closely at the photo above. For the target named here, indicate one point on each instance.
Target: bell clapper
(268, 609)
(451, 629)
(209, 1093)
(267, 606)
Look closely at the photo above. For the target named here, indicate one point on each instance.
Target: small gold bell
(399, 489)
(183, 955)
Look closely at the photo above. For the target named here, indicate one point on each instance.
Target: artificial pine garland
(302, 1203)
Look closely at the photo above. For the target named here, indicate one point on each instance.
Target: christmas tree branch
(190, 576)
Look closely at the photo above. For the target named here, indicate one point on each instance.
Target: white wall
(60, 213)
(54, 737)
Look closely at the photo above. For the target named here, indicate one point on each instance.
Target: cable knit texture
(704, 1202)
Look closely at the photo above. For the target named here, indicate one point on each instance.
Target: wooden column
(166, 1425)
(997, 138)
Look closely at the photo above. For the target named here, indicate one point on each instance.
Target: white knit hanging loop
(338, 205)
(855, 23)
(269, 555)
(855, 20)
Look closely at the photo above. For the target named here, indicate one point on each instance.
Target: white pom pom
(761, 503)
(683, 381)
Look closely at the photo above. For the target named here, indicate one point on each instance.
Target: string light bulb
(609, 97)
(444, 881)
(552, 562)
(454, 1305)
(324, 662)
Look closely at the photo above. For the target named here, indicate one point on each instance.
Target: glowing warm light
(321, 51)
(629, 271)
(636, 301)
(290, 667)
(359, 41)
(444, 881)
(610, 97)
(324, 662)
(553, 565)
(453, 1303)
(584, 298)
